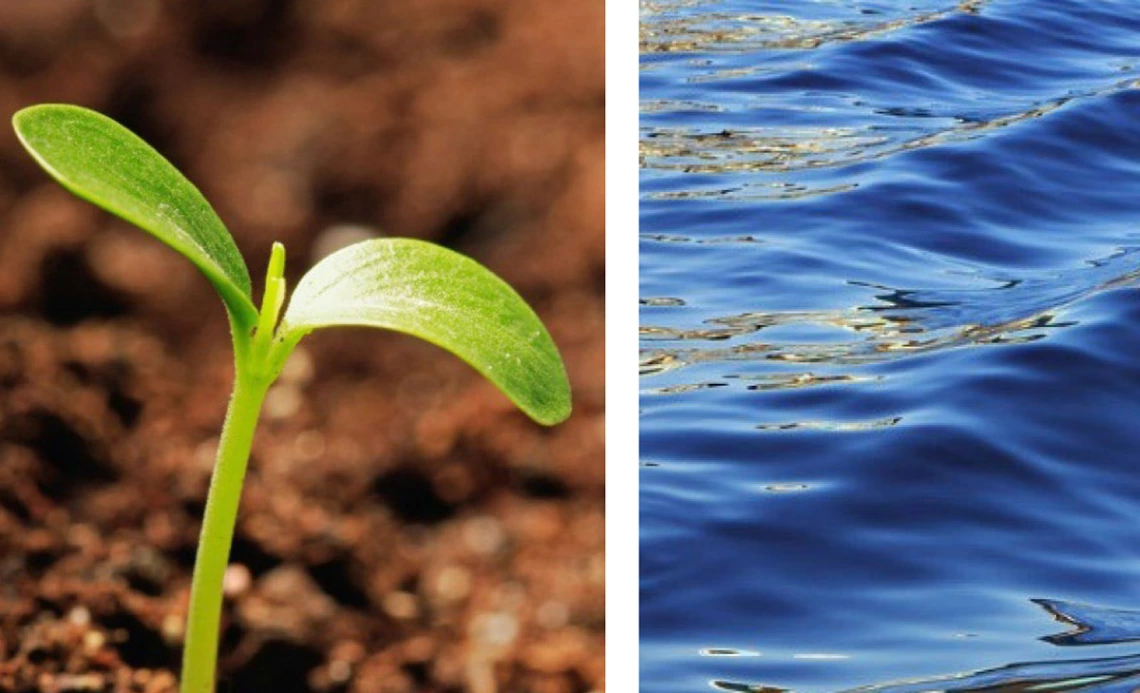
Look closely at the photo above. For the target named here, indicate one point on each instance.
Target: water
(890, 345)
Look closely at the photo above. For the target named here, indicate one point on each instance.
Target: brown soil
(402, 528)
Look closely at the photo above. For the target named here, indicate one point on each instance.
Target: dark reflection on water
(1113, 675)
(1092, 625)
(890, 345)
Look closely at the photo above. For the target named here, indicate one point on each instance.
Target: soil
(403, 528)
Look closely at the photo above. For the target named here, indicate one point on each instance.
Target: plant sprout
(400, 284)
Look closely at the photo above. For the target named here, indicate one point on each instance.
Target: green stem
(199, 660)
(257, 361)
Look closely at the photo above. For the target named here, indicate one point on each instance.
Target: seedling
(399, 284)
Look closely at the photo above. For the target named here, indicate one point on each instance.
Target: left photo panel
(302, 346)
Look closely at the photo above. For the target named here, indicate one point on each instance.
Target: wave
(904, 322)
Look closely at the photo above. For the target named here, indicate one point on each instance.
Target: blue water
(890, 345)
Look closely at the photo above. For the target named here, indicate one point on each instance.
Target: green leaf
(109, 166)
(450, 300)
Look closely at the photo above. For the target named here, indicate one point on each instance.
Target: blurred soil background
(402, 528)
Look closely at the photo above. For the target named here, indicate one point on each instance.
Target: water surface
(890, 345)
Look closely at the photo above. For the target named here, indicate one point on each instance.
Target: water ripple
(1107, 675)
(666, 30)
(690, 150)
(889, 337)
(1093, 625)
(905, 321)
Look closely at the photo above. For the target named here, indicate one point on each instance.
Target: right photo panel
(889, 346)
